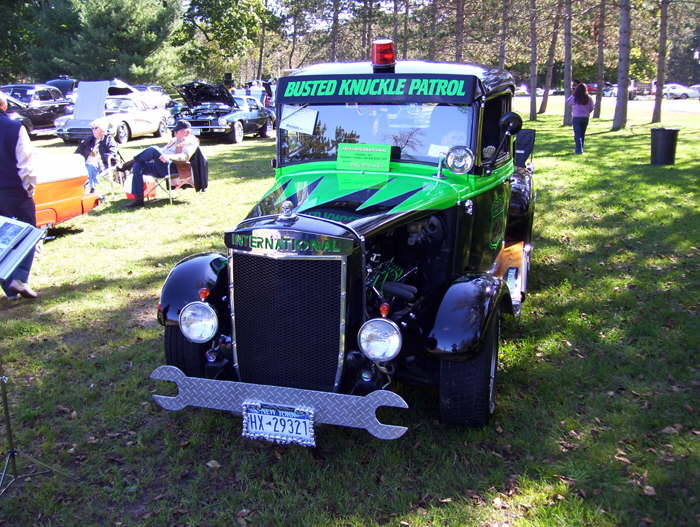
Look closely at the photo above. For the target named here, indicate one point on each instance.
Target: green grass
(602, 362)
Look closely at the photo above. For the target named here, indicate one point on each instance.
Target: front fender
(182, 285)
(464, 314)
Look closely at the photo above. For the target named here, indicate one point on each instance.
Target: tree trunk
(661, 64)
(459, 29)
(623, 71)
(567, 62)
(432, 40)
(533, 60)
(395, 24)
(334, 31)
(294, 41)
(404, 47)
(550, 58)
(600, 59)
(503, 36)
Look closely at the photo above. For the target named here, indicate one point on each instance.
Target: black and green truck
(396, 235)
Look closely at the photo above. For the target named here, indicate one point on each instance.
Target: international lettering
(325, 245)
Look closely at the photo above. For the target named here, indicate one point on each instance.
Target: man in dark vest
(17, 184)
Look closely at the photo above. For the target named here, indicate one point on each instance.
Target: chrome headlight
(460, 159)
(223, 121)
(379, 339)
(198, 322)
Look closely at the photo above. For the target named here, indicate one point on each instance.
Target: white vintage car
(128, 115)
(127, 118)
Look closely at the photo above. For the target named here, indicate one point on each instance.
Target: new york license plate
(278, 424)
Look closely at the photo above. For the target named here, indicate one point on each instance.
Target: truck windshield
(420, 132)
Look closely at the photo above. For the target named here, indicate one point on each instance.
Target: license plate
(195, 131)
(278, 424)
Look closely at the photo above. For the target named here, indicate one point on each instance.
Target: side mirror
(511, 122)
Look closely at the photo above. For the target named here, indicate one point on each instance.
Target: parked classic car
(397, 232)
(14, 112)
(127, 118)
(67, 85)
(42, 104)
(60, 191)
(213, 111)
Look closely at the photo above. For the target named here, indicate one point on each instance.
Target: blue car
(214, 111)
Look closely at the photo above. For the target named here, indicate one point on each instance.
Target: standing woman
(581, 107)
(99, 151)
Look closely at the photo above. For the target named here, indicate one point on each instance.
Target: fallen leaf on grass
(213, 464)
(404, 524)
(649, 490)
(243, 513)
(62, 409)
(669, 430)
(445, 500)
(499, 503)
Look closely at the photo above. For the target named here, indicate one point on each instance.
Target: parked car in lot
(60, 191)
(67, 85)
(213, 111)
(153, 95)
(396, 234)
(41, 103)
(678, 91)
(610, 90)
(18, 111)
(127, 118)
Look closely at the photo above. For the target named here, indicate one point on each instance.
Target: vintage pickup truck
(397, 233)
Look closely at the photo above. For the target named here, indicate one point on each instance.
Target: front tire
(183, 354)
(122, 134)
(235, 135)
(162, 129)
(266, 130)
(684, 95)
(468, 388)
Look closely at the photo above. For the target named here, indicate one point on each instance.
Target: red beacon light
(383, 56)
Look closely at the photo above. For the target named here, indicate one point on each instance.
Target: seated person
(98, 151)
(154, 161)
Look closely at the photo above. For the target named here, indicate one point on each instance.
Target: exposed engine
(401, 263)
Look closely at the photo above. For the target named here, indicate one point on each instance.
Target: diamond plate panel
(330, 408)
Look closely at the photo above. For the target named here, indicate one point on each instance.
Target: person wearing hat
(154, 161)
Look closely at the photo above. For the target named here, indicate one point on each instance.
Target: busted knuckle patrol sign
(378, 87)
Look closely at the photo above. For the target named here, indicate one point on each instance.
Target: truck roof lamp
(383, 56)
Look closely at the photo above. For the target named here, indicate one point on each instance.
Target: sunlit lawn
(597, 422)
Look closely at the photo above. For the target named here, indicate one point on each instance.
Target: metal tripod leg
(10, 460)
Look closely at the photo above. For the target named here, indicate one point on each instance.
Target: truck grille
(288, 320)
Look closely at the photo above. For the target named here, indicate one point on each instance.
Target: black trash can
(663, 146)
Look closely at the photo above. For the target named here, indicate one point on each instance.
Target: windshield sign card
(360, 156)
